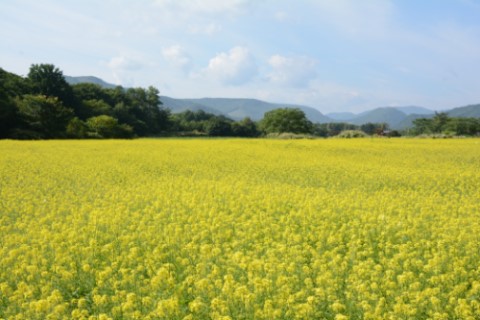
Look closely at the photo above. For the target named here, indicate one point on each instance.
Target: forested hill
(43, 105)
(471, 111)
(402, 117)
(233, 108)
(89, 79)
(236, 108)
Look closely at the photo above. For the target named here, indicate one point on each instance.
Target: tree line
(441, 123)
(43, 105)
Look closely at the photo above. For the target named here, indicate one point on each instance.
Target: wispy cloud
(178, 58)
(235, 67)
(123, 68)
(295, 71)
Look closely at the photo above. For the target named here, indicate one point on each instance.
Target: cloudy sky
(334, 55)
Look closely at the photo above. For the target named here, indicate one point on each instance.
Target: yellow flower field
(240, 229)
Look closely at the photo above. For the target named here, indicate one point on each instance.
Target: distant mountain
(341, 116)
(414, 110)
(313, 114)
(89, 79)
(389, 115)
(237, 108)
(407, 122)
(396, 117)
(180, 105)
(471, 111)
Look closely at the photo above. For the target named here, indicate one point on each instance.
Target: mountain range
(89, 79)
(239, 108)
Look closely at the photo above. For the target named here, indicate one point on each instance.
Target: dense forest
(43, 105)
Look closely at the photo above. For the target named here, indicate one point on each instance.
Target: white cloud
(123, 62)
(123, 67)
(178, 57)
(234, 68)
(292, 71)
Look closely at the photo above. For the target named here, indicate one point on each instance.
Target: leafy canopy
(286, 120)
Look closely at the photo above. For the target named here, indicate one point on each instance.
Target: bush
(352, 134)
(77, 129)
(288, 135)
(106, 127)
(393, 133)
(435, 136)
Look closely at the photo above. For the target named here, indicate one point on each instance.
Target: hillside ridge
(400, 117)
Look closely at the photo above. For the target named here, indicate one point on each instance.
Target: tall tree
(218, 127)
(422, 126)
(463, 126)
(245, 128)
(48, 80)
(286, 120)
(374, 128)
(45, 116)
(439, 121)
(11, 87)
(145, 105)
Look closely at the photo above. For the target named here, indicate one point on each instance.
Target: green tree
(77, 129)
(195, 116)
(286, 120)
(123, 112)
(320, 130)
(48, 80)
(374, 128)
(245, 128)
(11, 87)
(218, 127)
(7, 112)
(145, 106)
(439, 122)
(94, 107)
(332, 129)
(8, 115)
(190, 121)
(104, 126)
(46, 116)
(92, 91)
(463, 126)
(422, 126)
(85, 92)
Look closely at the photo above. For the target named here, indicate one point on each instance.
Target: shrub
(288, 135)
(352, 134)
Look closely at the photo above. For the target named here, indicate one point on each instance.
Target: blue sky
(334, 55)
